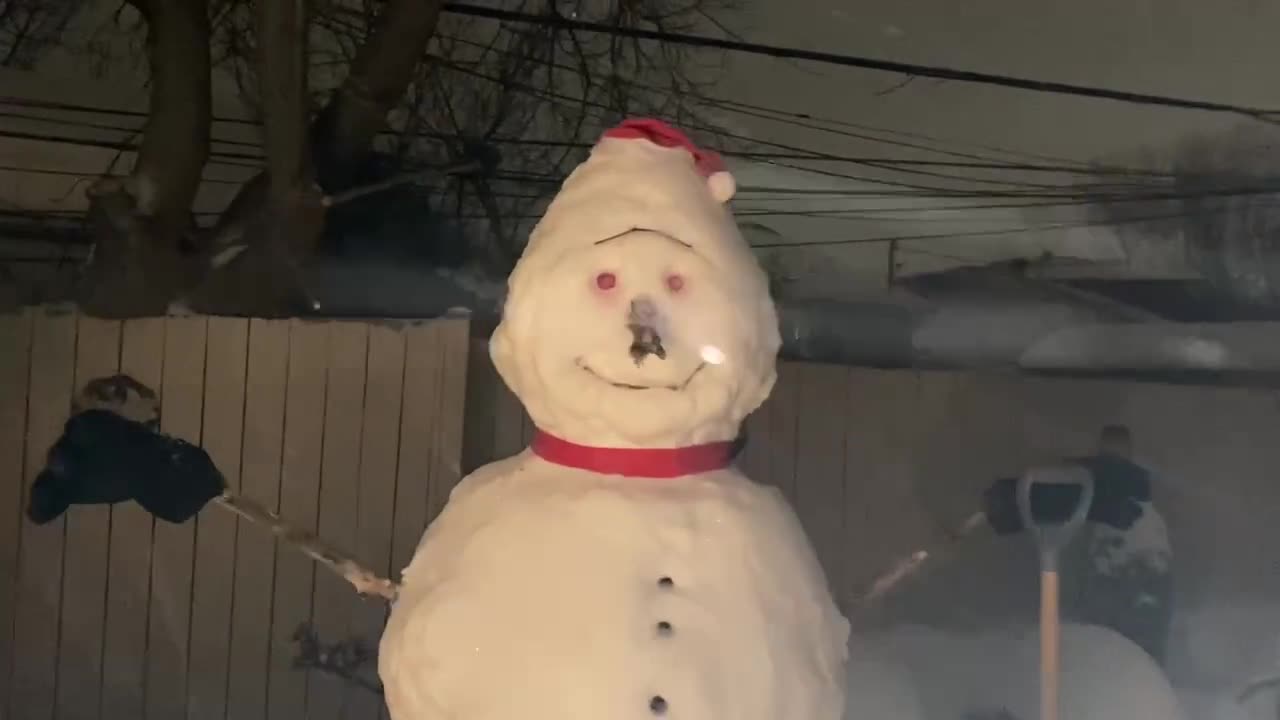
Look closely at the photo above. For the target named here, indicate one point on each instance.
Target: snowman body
(551, 592)
(621, 567)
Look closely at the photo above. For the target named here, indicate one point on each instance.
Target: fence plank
(265, 383)
(172, 555)
(882, 519)
(819, 479)
(483, 387)
(783, 424)
(125, 642)
(508, 424)
(419, 440)
(340, 463)
(15, 370)
(299, 503)
(972, 425)
(754, 460)
(214, 572)
(39, 600)
(379, 448)
(454, 341)
(85, 557)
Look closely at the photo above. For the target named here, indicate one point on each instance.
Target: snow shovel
(1051, 538)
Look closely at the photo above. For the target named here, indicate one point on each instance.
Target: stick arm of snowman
(112, 451)
(365, 581)
(1003, 513)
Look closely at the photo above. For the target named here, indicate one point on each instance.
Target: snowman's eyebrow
(644, 229)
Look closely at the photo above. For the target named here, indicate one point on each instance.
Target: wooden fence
(358, 430)
(351, 429)
(879, 464)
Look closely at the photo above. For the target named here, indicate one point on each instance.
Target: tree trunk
(142, 225)
(278, 214)
(275, 222)
(382, 71)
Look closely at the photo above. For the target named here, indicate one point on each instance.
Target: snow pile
(996, 674)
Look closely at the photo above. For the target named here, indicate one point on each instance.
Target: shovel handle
(1051, 538)
(1050, 641)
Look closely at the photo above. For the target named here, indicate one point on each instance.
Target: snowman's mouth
(629, 386)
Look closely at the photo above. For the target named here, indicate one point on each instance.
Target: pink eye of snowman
(675, 283)
(606, 281)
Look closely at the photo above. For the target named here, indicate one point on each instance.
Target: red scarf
(655, 463)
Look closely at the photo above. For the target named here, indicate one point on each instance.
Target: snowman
(621, 567)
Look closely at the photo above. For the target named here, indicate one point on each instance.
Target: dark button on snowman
(638, 333)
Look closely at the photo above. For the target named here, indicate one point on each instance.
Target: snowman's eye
(606, 280)
(675, 283)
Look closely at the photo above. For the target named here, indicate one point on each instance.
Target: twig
(343, 659)
(911, 564)
(467, 166)
(1257, 686)
(364, 580)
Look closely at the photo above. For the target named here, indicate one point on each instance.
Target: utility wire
(804, 119)
(905, 166)
(977, 162)
(931, 191)
(943, 73)
(570, 101)
(887, 164)
(1071, 195)
(989, 232)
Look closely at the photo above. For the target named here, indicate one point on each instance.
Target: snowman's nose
(642, 321)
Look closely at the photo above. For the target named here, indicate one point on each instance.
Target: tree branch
(383, 68)
(282, 82)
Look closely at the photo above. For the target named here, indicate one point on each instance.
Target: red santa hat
(707, 162)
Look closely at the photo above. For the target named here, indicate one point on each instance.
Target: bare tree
(30, 27)
(361, 95)
(1216, 207)
(142, 224)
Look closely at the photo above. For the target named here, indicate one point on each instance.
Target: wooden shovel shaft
(1050, 634)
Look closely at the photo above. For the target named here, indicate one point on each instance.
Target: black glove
(103, 458)
(1119, 486)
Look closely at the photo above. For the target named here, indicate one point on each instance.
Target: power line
(887, 164)
(989, 232)
(809, 121)
(1076, 195)
(805, 120)
(565, 100)
(943, 73)
(795, 153)
(1071, 194)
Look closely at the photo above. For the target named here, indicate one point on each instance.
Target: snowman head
(637, 315)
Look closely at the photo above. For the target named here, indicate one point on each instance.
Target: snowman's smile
(630, 386)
